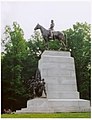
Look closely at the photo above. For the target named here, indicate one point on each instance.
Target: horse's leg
(47, 44)
(66, 42)
(44, 43)
(62, 43)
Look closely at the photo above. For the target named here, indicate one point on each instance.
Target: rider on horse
(51, 28)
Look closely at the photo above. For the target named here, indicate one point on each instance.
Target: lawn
(48, 115)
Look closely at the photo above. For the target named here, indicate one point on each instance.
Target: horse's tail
(65, 36)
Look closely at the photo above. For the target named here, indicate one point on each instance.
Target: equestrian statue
(51, 34)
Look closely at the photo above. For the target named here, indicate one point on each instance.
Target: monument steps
(55, 105)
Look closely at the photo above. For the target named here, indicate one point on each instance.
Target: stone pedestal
(58, 70)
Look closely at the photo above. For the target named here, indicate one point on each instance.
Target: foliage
(15, 54)
(48, 115)
(35, 49)
(79, 42)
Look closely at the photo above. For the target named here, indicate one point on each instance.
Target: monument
(58, 70)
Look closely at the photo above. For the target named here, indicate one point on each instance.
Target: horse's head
(37, 27)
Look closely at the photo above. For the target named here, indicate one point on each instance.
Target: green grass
(48, 115)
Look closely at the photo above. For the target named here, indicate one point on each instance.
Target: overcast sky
(28, 14)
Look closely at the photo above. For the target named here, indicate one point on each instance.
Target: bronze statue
(51, 29)
(38, 75)
(47, 33)
(37, 87)
(43, 86)
(32, 86)
(40, 88)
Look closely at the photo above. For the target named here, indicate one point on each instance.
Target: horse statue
(56, 35)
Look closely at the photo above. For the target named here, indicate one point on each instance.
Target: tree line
(19, 61)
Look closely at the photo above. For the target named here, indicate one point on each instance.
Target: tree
(13, 58)
(79, 42)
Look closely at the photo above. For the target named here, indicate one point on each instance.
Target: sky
(28, 13)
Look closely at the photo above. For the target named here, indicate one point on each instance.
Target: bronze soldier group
(37, 87)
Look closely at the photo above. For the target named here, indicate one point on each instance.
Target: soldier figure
(43, 86)
(33, 85)
(38, 75)
(51, 29)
